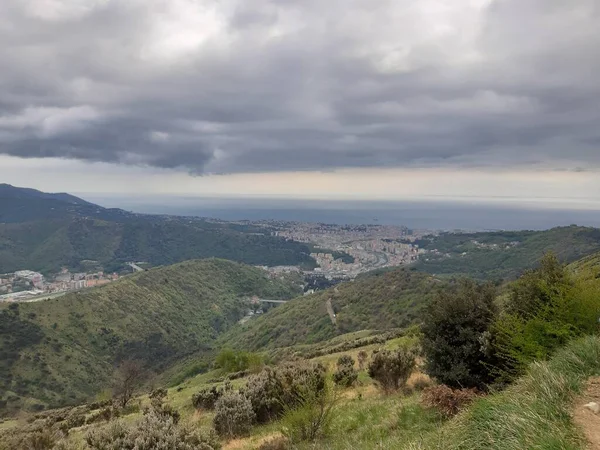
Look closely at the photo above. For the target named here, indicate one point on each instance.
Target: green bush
(311, 417)
(454, 329)
(233, 415)
(278, 388)
(238, 361)
(546, 308)
(206, 398)
(345, 374)
(391, 369)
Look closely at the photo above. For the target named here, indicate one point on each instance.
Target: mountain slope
(390, 300)
(23, 205)
(64, 350)
(44, 232)
(502, 255)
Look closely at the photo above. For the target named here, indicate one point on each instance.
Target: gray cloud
(234, 86)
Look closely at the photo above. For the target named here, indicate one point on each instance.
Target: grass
(535, 413)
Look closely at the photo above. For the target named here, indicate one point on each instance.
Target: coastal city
(27, 285)
(341, 252)
(345, 251)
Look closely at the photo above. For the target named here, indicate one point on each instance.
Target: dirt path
(330, 311)
(586, 419)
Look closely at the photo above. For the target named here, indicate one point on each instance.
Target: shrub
(276, 389)
(546, 308)
(448, 401)
(345, 375)
(362, 359)
(420, 382)
(233, 415)
(152, 432)
(391, 369)
(104, 415)
(206, 398)
(238, 361)
(42, 440)
(160, 408)
(311, 417)
(454, 328)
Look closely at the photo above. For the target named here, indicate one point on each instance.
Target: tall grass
(535, 413)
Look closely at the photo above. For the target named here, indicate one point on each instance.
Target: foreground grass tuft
(535, 413)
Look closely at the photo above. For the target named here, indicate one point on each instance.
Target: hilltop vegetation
(503, 255)
(45, 232)
(65, 349)
(388, 300)
(367, 390)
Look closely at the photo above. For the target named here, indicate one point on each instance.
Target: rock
(593, 406)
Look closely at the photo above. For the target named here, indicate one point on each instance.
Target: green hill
(86, 243)
(503, 255)
(44, 232)
(389, 300)
(63, 350)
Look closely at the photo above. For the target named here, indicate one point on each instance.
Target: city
(27, 285)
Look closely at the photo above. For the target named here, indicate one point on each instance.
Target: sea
(428, 215)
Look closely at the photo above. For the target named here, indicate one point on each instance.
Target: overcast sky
(303, 98)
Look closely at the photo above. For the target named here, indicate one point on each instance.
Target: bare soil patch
(586, 419)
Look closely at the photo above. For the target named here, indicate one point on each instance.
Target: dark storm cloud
(237, 86)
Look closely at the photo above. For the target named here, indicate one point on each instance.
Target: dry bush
(152, 432)
(233, 415)
(276, 443)
(419, 381)
(446, 400)
(362, 356)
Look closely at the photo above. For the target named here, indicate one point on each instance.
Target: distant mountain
(45, 232)
(9, 191)
(19, 205)
(64, 350)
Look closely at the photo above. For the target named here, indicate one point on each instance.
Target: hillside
(503, 255)
(389, 300)
(45, 232)
(24, 205)
(64, 350)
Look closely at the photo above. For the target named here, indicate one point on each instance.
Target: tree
(455, 329)
(547, 307)
(128, 378)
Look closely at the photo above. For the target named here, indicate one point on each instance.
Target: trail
(330, 311)
(585, 419)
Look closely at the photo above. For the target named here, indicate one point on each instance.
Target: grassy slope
(49, 244)
(569, 243)
(389, 300)
(64, 349)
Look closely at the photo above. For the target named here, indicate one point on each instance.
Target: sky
(475, 100)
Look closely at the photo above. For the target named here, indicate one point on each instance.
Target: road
(135, 267)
